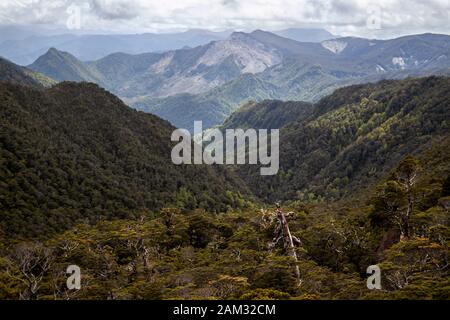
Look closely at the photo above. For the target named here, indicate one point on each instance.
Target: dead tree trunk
(283, 233)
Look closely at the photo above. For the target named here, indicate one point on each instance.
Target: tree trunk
(405, 219)
(288, 242)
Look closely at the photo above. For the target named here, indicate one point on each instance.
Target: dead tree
(283, 233)
(33, 261)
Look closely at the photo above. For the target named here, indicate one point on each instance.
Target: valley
(87, 177)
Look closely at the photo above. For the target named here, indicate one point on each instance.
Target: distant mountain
(305, 34)
(93, 47)
(62, 66)
(353, 137)
(25, 46)
(15, 33)
(409, 52)
(211, 107)
(310, 71)
(191, 71)
(75, 153)
(209, 82)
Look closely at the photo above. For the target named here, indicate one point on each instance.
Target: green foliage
(268, 114)
(417, 269)
(200, 256)
(91, 178)
(19, 75)
(75, 153)
(355, 137)
(265, 294)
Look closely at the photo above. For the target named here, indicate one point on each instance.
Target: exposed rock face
(334, 46)
(250, 55)
(399, 61)
(221, 62)
(163, 63)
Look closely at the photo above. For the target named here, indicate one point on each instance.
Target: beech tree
(396, 201)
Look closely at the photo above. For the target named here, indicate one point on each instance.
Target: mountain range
(25, 46)
(210, 81)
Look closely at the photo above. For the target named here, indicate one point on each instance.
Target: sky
(364, 18)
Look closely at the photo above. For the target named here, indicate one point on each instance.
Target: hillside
(28, 46)
(211, 107)
(310, 71)
(10, 72)
(75, 153)
(268, 114)
(354, 137)
(192, 70)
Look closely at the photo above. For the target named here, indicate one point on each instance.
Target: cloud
(345, 17)
(113, 10)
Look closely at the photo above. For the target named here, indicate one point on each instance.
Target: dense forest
(268, 114)
(87, 181)
(9, 72)
(205, 256)
(76, 153)
(354, 137)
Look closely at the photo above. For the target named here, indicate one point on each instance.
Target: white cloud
(342, 17)
(113, 10)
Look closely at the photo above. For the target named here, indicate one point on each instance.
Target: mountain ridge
(280, 68)
(10, 72)
(74, 153)
(355, 136)
(27, 48)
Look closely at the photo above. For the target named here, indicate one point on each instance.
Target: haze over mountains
(23, 46)
(210, 81)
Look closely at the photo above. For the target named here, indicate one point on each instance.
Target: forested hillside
(10, 72)
(354, 137)
(199, 255)
(75, 153)
(268, 114)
